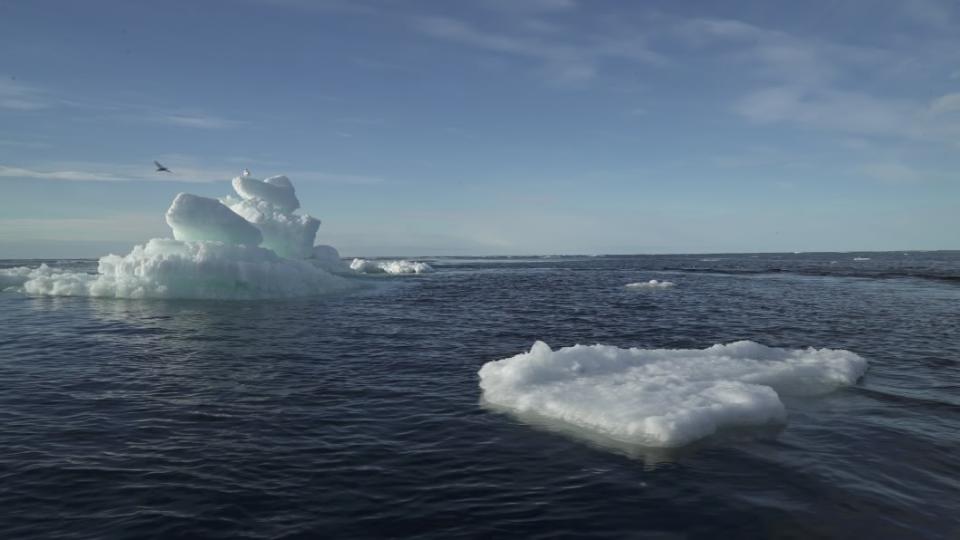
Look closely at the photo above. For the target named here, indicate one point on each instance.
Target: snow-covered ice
(276, 190)
(202, 219)
(662, 397)
(289, 235)
(369, 266)
(165, 268)
(652, 284)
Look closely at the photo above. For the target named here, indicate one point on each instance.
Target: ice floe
(662, 397)
(371, 266)
(652, 284)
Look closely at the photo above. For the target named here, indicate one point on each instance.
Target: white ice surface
(662, 397)
(164, 268)
(368, 266)
(198, 218)
(276, 190)
(289, 235)
(652, 284)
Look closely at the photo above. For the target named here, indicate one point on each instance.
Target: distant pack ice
(394, 267)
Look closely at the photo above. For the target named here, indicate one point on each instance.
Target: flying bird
(161, 168)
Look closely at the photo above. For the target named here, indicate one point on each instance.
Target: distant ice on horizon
(652, 284)
(393, 267)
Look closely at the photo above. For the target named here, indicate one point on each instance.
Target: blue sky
(491, 126)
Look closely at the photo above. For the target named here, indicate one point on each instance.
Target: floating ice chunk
(276, 190)
(199, 218)
(59, 281)
(214, 255)
(406, 267)
(164, 268)
(367, 266)
(289, 235)
(11, 278)
(652, 284)
(662, 397)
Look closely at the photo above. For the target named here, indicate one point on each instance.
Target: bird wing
(159, 166)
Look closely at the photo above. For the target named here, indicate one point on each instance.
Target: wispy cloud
(561, 56)
(17, 96)
(19, 172)
(949, 103)
(813, 83)
(850, 111)
(23, 97)
(892, 172)
(529, 5)
(184, 169)
(855, 112)
(200, 121)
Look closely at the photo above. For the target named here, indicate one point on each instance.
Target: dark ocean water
(359, 415)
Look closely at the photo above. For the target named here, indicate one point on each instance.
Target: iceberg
(251, 247)
(662, 397)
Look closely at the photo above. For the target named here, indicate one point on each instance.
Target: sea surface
(359, 415)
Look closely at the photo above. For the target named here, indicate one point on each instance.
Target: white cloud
(21, 97)
(780, 57)
(891, 172)
(564, 57)
(948, 103)
(529, 5)
(116, 172)
(184, 169)
(200, 121)
(853, 112)
(818, 84)
(18, 172)
(15, 95)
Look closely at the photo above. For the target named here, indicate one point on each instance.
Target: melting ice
(252, 245)
(652, 284)
(368, 266)
(662, 397)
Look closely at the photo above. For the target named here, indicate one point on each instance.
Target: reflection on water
(359, 414)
